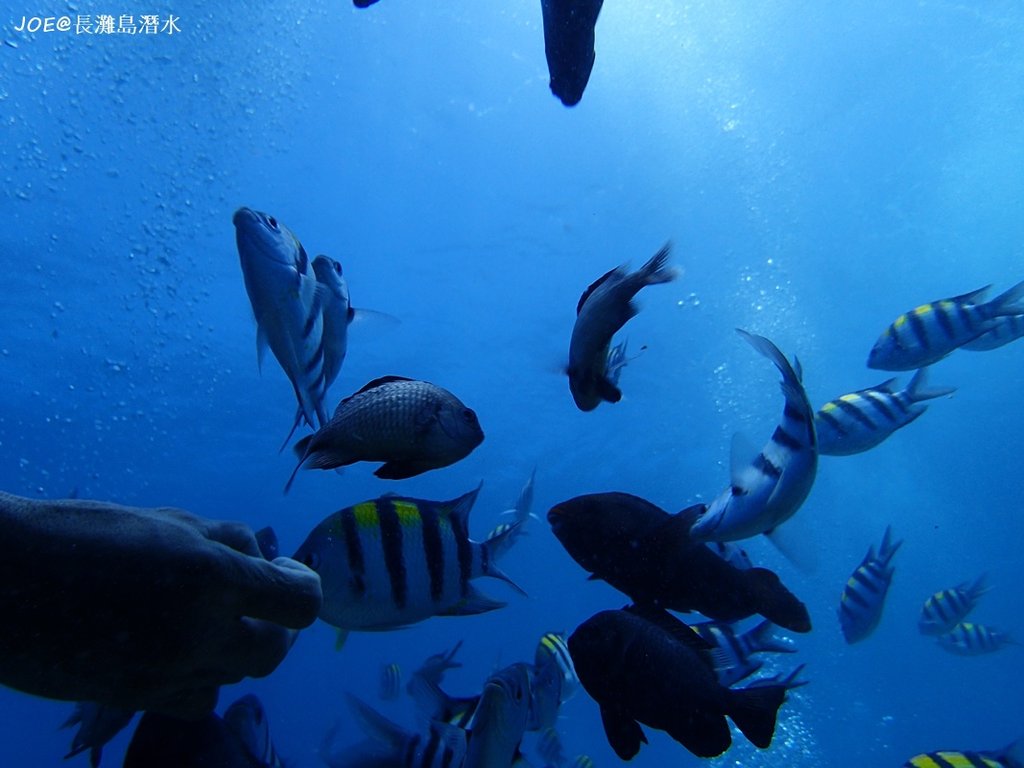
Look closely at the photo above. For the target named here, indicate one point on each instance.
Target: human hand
(143, 609)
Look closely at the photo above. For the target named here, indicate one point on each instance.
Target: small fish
(648, 554)
(553, 651)
(412, 426)
(1007, 328)
(948, 607)
(767, 492)
(166, 742)
(97, 724)
(967, 639)
(500, 720)
(928, 333)
(860, 607)
(436, 665)
(603, 309)
(395, 561)
(286, 301)
(520, 513)
(1011, 756)
(337, 315)
(732, 649)
(388, 744)
(569, 45)
(861, 420)
(247, 719)
(646, 666)
(617, 360)
(390, 682)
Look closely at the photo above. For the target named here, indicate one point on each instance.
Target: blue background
(819, 168)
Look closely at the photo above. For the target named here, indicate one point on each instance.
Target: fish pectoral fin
(624, 733)
(399, 470)
(473, 603)
(339, 641)
(608, 391)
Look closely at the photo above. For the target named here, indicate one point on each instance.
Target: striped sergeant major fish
(948, 607)
(768, 491)
(553, 651)
(553, 681)
(247, 719)
(928, 333)
(520, 514)
(860, 607)
(286, 300)
(389, 744)
(1011, 756)
(337, 314)
(1007, 328)
(731, 650)
(395, 561)
(968, 639)
(861, 420)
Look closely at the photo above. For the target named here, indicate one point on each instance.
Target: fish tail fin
(656, 270)
(1010, 302)
(295, 425)
(918, 388)
(887, 549)
(754, 710)
(978, 588)
(491, 569)
(792, 374)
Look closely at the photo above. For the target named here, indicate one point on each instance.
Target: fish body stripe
(826, 416)
(409, 761)
(942, 314)
(394, 558)
(316, 363)
(917, 326)
(845, 405)
(764, 465)
(781, 437)
(464, 553)
(311, 318)
(354, 551)
(953, 760)
(433, 551)
(794, 413)
(881, 402)
(447, 758)
(365, 514)
(553, 645)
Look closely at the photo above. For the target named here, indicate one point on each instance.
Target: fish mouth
(255, 236)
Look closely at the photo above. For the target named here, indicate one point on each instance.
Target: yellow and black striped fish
(1008, 757)
(861, 420)
(860, 607)
(928, 333)
(969, 639)
(948, 607)
(394, 561)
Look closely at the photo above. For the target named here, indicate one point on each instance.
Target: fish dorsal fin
(459, 508)
(973, 297)
(376, 383)
(673, 626)
(889, 385)
(593, 287)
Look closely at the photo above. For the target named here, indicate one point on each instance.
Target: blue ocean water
(820, 169)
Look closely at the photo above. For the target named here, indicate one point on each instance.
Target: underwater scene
(638, 379)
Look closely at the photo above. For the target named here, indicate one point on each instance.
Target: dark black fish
(364, 3)
(569, 45)
(166, 742)
(642, 665)
(648, 554)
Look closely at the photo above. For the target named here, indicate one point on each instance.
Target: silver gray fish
(97, 724)
(501, 718)
(769, 490)
(412, 426)
(286, 301)
(247, 719)
(337, 315)
(521, 515)
(603, 309)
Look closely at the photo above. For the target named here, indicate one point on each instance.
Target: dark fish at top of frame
(648, 554)
(569, 45)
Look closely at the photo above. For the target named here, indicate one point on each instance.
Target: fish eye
(337, 267)
(468, 415)
(272, 222)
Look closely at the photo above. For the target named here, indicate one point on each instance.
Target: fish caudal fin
(1010, 302)
(754, 711)
(624, 733)
(656, 270)
(918, 388)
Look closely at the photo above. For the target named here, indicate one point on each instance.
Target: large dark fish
(648, 554)
(645, 666)
(603, 309)
(569, 45)
(412, 426)
(166, 742)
